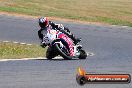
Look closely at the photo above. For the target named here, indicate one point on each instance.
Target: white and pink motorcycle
(60, 44)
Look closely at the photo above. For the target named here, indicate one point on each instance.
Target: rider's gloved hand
(43, 45)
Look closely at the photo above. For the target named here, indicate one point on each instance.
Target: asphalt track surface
(112, 46)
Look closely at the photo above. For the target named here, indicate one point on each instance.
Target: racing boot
(79, 47)
(69, 34)
(76, 40)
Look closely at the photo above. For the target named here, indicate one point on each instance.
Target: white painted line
(16, 42)
(52, 58)
(6, 41)
(18, 59)
(124, 26)
(120, 26)
(43, 58)
(23, 43)
(58, 58)
(10, 59)
(90, 54)
(29, 44)
(114, 25)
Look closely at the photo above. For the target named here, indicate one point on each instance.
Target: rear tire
(83, 54)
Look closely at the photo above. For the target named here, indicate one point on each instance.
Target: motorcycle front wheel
(63, 52)
(50, 53)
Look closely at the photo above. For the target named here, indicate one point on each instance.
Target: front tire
(64, 55)
(50, 54)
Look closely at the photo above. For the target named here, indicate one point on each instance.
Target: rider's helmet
(43, 22)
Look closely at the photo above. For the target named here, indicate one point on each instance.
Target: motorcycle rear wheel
(83, 54)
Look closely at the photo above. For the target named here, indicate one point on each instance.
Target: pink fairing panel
(69, 41)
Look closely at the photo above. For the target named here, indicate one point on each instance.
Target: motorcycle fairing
(69, 42)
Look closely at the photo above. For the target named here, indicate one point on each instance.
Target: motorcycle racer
(44, 24)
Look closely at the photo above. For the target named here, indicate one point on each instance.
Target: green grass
(118, 12)
(10, 50)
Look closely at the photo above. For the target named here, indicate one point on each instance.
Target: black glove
(43, 45)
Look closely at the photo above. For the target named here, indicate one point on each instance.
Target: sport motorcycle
(60, 44)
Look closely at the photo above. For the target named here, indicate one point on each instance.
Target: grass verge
(116, 12)
(11, 50)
